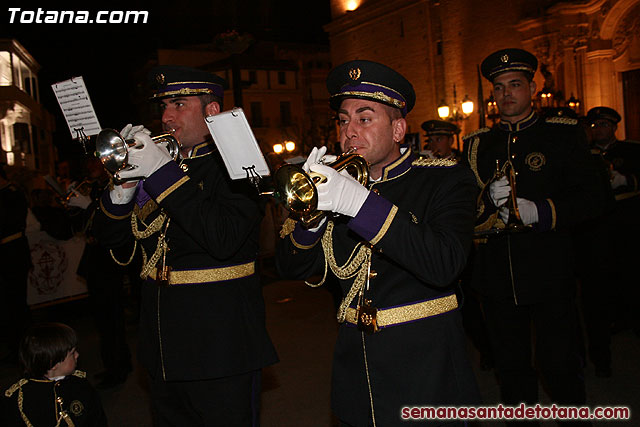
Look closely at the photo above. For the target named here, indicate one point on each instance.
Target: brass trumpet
(112, 149)
(297, 190)
(514, 222)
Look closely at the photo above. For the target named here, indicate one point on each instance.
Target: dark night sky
(107, 54)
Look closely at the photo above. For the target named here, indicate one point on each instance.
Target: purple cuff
(545, 216)
(163, 179)
(306, 238)
(113, 210)
(372, 217)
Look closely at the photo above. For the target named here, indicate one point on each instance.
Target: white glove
(340, 193)
(499, 191)
(318, 156)
(528, 211)
(617, 179)
(79, 200)
(145, 160)
(121, 195)
(314, 157)
(129, 131)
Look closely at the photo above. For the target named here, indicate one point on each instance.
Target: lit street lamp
(456, 113)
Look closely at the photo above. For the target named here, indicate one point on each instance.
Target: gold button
(513, 156)
(514, 139)
(184, 167)
(375, 190)
(373, 274)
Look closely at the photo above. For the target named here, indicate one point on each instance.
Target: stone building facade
(589, 49)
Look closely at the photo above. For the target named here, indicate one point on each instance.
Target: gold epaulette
(79, 374)
(15, 387)
(433, 163)
(476, 132)
(562, 120)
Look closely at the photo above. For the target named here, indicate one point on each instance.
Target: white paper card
(76, 106)
(237, 144)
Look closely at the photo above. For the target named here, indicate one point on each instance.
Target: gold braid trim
(15, 387)
(476, 132)
(60, 415)
(356, 266)
(113, 257)
(473, 159)
(287, 227)
(154, 227)
(424, 161)
(562, 120)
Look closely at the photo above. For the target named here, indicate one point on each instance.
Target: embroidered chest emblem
(535, 161)
(76, 407)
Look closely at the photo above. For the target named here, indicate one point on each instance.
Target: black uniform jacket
(78, 400)
(212, 324)
(419, 221)
(554, 170)
(14, 247)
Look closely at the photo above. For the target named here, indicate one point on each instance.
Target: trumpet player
(202, 335)
(440, 136)
(396, 245)
(526, 278)
(609, 243)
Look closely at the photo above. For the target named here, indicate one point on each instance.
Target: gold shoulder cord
(161, 247)
(356, 266)
(60, 413)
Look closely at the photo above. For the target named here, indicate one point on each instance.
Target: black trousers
(106, 295)
(554, 326)
(232, 401)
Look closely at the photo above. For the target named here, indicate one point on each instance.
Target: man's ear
(399, 129)
(533, 87)
(212, 108)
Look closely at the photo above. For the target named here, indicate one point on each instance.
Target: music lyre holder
(82, 138)
(253, 176)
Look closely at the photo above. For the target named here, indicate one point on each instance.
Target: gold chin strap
(356, 266)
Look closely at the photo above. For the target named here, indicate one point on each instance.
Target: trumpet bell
(297, 191)
(112, 149)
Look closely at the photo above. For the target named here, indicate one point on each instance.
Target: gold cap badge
(354, 73)
(160, 78)
(504, 58)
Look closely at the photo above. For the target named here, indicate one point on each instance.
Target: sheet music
(237, 144)
(76, 106)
